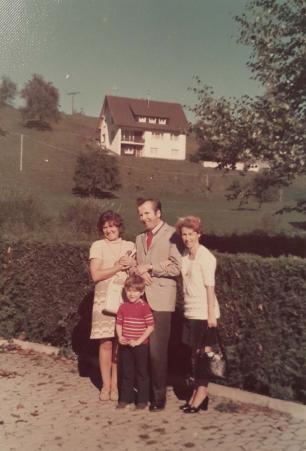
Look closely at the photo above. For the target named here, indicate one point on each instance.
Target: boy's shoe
(122, 405)
(141, 406)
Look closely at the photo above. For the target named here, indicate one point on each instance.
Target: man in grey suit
(159, 263)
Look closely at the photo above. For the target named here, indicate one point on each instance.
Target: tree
(96, 174)
(8, 91)
(258, 188)
(271, 127)
(275, 31)
(222, 128)
(42, 101)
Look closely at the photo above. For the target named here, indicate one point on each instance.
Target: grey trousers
(159, 355)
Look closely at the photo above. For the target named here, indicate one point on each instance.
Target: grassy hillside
(184, 187)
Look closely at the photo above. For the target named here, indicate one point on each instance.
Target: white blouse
(197, 275)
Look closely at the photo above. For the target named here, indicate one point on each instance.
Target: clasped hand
(125, 341)
(125, 262)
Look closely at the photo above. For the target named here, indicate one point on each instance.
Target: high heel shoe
(104, 395)
(185, 406)
(114, 395)
(202, 406)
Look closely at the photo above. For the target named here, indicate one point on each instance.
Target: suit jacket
(161, 294)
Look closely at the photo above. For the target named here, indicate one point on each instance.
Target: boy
(134, 324)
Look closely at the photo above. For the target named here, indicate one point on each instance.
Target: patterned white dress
(103, 326)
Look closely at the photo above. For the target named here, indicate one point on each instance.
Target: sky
(132, 48)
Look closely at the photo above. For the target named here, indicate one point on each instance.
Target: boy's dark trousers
(133, 368)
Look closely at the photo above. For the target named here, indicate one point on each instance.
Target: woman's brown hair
(192, 222)
(113, 218)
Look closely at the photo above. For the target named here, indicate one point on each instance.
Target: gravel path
(46, 405)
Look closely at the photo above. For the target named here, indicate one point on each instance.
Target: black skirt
(197, 334)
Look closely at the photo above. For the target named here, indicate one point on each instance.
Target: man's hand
(147, 278)
(141, 269)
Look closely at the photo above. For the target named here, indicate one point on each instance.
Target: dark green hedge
(41, 287)
(258, 243)
(46, 292)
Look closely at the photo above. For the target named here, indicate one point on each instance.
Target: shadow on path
(178, 359)
(86, 349)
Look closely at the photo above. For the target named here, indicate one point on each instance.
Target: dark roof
(124, 112)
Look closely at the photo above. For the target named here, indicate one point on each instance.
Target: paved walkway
(46, 405)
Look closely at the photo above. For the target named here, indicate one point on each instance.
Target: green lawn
(48, 168)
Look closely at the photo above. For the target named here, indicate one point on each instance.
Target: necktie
(149, 239)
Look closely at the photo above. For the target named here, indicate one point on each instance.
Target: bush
(96, 174)
(263, 313)
(43, 286)
(259, 243)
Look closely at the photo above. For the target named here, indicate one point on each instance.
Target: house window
(175, 153)
(126, 150)
(162, 121)
(157, 135)
(153, 151)
(174, 136)
(142, 119)
(152, 120)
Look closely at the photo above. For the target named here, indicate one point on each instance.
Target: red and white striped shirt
(134, 317)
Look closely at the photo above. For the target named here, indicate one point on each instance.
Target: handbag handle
(220, 343)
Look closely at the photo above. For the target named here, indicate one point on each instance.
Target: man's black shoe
(157, 406)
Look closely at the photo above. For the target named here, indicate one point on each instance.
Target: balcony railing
(132, 139)
(132, 136)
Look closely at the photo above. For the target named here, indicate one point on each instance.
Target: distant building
(143, 128)
(256, 167)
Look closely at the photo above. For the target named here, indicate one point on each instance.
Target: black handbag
(211, 365)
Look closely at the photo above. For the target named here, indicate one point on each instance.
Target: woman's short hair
(113, 218)
(135, 282)
(192, 222)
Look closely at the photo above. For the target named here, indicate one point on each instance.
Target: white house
(143, 128)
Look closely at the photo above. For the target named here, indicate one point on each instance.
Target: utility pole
(21, 153)
(72, 94)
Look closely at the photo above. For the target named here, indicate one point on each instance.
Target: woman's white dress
(103, 326)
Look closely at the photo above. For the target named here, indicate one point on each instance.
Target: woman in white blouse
(201, 309)
(108, 258)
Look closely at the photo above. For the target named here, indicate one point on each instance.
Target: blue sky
(133, 48)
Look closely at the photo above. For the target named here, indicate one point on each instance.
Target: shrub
(96, 174)
(259, 243)
(263, 313)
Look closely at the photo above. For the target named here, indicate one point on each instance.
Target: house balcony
(132, 137)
